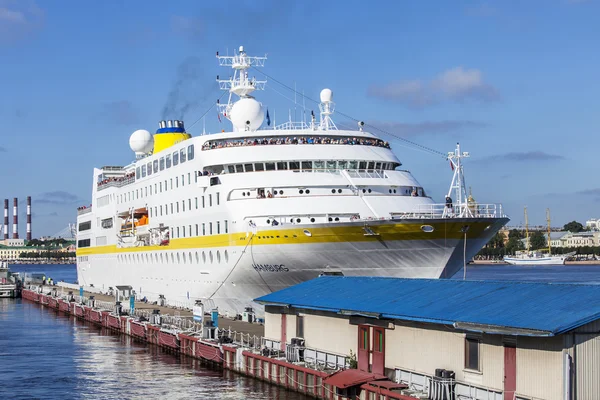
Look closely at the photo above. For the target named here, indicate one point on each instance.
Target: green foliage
(497, 241)
(352, 363)
(537, 240)
(52, 243)
(47, 255)
(514, 244)
(515, 233)
(574, 227)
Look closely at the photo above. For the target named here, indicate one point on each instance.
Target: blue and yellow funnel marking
(169, 136)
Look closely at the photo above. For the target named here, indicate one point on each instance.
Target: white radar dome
(141, 142)
(326, 95)
(247, 111)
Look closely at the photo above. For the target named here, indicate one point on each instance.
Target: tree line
(497, 248)
(47, 255)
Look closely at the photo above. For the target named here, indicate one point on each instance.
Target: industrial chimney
(28, 218)
(5, 219)
(15, 218)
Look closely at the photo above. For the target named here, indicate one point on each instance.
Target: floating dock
(240, 347)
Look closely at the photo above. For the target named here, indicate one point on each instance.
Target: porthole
(268, 221)
(312, 220)
(226, 254)
(184, 259)
(298, 220)
(218, 257)
(210, 256)
(369, 190)
(247, 193)
(197, 258)
(291, 220)
(337, 219)
(364, 190)
(178, 259)
(330, 219)
(394, 190)
(190, 256)
(339, 190)
(204, 257)
(243, 193)
(301, 191)
(390, 190)
(161, 258)
(281, 192)
(307, 191)
(427, 228)
(307, 232)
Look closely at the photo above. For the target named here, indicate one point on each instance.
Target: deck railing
(117, 182)
(434, 211)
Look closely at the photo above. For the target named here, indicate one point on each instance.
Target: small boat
(536, 257)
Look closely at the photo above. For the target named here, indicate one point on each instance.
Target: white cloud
(456, 84)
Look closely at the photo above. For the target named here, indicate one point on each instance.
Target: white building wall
(540, 367)
(273, 326)
(333, 335)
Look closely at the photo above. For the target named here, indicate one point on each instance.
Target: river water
(46, 354)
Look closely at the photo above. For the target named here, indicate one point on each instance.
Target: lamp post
(464, 230)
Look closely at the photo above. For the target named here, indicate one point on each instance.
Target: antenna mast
(526, 230)
(239, 84)
(458, 181)
(549, 242)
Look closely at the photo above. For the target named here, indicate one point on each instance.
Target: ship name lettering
(270, 268)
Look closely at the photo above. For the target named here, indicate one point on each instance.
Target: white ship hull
(238, 274)
(553, 260)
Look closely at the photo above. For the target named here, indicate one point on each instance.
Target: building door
(378, 366)
(510, 372)
(364, 351)
(283, 331)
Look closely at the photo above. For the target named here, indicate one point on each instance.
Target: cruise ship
(230, 216)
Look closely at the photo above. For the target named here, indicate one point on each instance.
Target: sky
(515, 82)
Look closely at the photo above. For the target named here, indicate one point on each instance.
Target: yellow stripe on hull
(386, 231)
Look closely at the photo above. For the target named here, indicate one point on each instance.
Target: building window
(365, 338)
(299, 326)
(472, 354)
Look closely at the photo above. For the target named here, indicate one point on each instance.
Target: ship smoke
(188, 91)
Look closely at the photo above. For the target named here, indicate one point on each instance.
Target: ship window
(137, 173)
(182, 180)
(161, 210)
(196, 199)
(155, 165)
(306, 165)
(377, 165)
(218, 256)
(171, 208)
(144, 171)
(210, 200)
(352, 164)
(210, 228)
(150, 190)
(168, 160)
(218, 198)
(331, 165)
(155, 188)
(218, 227)
(270, 166)
(177, 207)
(294, 165)
(249, 167)
(182, 156)
(177, 232)
(84, 226)
(203, 229)
(189, 178)
(204, 257)
(175, 158)
(190, 204)
(84, 243)
(319, 165)
(190, 150)
(226, 227)
(203, 203)
(162, 163)
(149, 168)
(259, 167)
(196, 235)
(231, 169)
(176, 181)
(183, 205)
(370, 165)
(160, 186)
(342, 164)
(281, 165)
(239, 168)
(362, 165)
(183, 231)
(226, 256)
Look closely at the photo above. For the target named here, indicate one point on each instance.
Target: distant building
(13, 242)
(498, 340)
(593, 224)
(11, 253)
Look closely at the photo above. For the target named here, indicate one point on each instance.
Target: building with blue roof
(508, 340)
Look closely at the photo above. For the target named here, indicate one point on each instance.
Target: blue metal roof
(548, 308)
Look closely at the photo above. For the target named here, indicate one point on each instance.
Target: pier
(234, 345)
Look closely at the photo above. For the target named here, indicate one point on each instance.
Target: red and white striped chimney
(15, 218)
(28, 218)
(5, 219)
